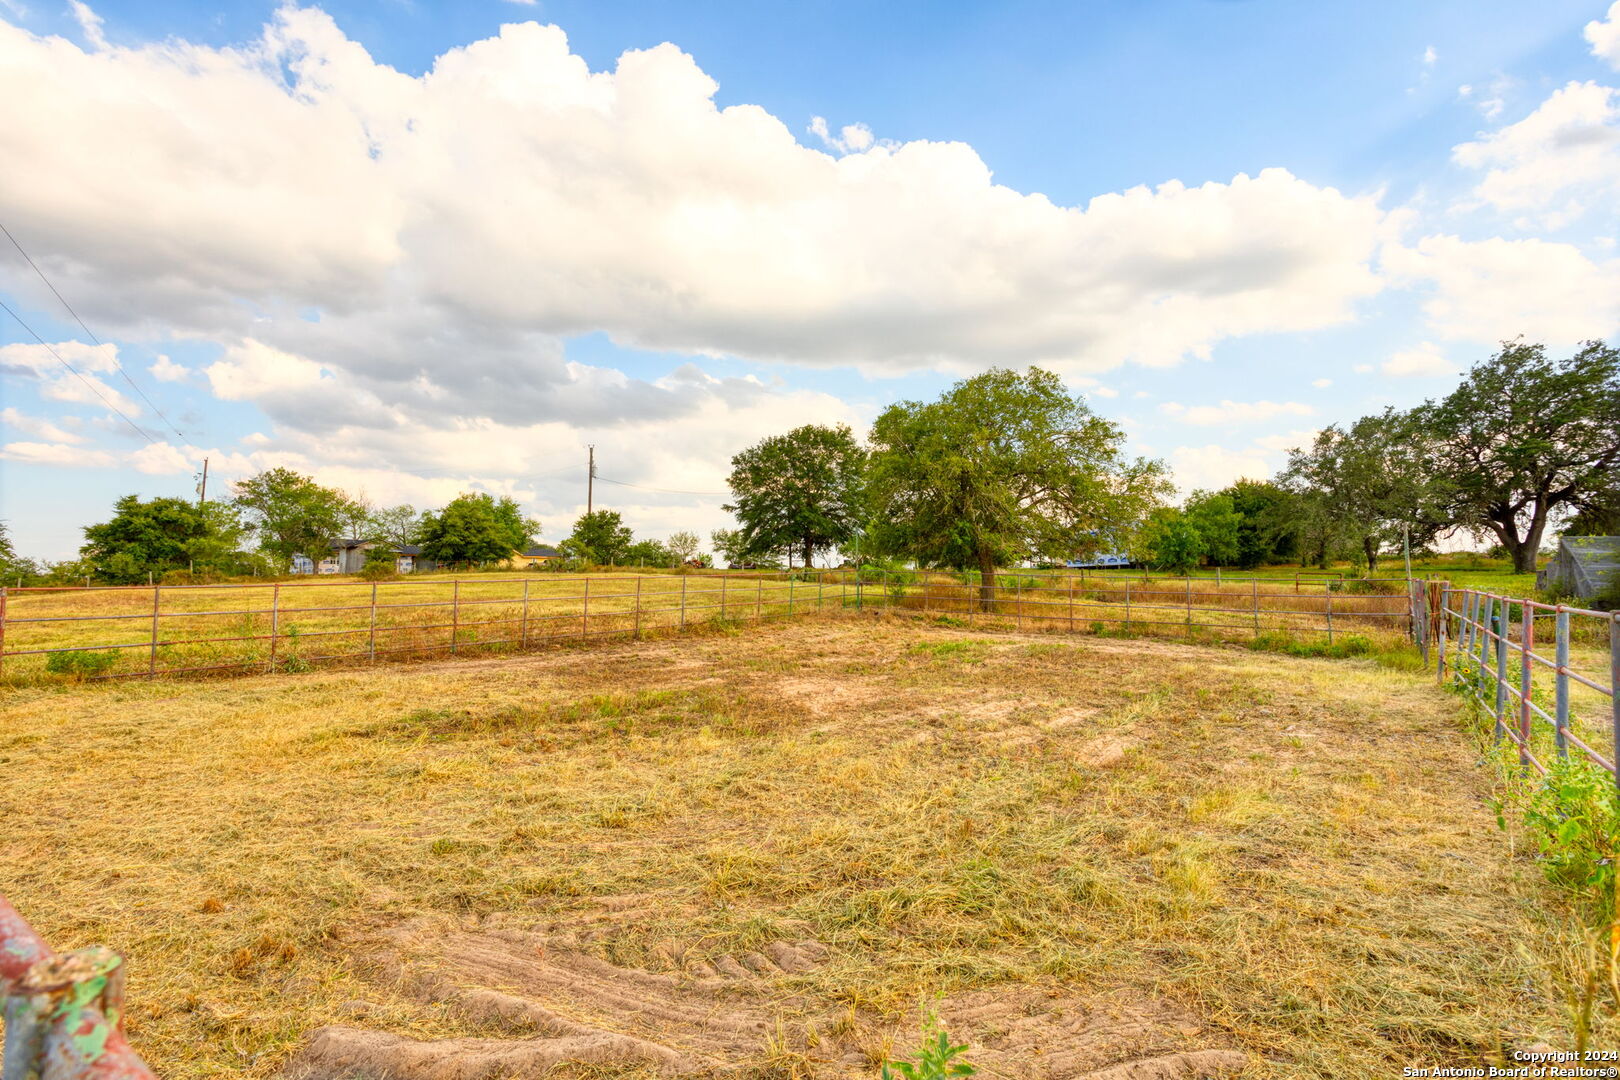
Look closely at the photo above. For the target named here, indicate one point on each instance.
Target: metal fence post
(275, 621)
(151, 659)
(1071, 605)
(371, 635)
(1561, 679)
(1445, 619)
(585, 614)
(683, 601)
(2, 628)
(1254, 597)
(1501, 673)
(723, 580)
(1189, 607)
(759, 599)
(1018, 601)
(1614, 701)
(791, 579)
(1330, 616)
(1527, 640)
(523, 632)
(455, 613)
(636, 633)
(1127, 607)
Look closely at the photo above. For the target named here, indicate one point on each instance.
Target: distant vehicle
(1109, 561)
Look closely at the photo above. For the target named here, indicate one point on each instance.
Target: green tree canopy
(729, 545)
(800, 490)
(155, 536)
(1524, 437)
(599, 537)
(1370, 482)
(1218, 523)
(395, 525)
(475, 528)
(684, 545)
(1004, 466)
(1269, 529)
(647, 553)
(1170, 540)
(291, 513)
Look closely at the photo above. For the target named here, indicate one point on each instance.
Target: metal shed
(1583, 567)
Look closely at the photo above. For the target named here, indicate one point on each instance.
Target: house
(1101, 561)
(1583, 567)
(349, 557)
(533, 555)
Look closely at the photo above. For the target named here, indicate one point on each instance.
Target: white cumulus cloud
(1604, 36)
(1234, 412)
(1427, 359)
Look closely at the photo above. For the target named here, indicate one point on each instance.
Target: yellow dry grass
(1299, 852)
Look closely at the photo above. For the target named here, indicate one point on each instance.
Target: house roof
(541, 551)
(407, 549)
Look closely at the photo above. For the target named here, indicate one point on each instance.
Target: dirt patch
(553, 1004)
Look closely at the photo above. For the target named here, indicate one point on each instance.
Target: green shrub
(1575, 819)
(935, 1060)
(379, 570)
(81, 665)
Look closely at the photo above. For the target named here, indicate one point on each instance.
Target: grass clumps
(82, 665)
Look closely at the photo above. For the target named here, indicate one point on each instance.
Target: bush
(81, 665)
(378, 570)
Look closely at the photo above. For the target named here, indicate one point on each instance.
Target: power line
(93, 388)
(95, 340)
(663, 491)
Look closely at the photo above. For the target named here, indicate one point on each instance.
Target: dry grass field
(769, 851)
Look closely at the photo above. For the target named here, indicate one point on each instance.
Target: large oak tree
(1524, 437)
(801, 490)
(1005, 466)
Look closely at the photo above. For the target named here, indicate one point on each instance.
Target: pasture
(291, 625)
(771, 850)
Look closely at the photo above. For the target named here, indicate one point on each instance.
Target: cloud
(1430, 56)
(89, 23)
(1321, 384)
(1213, 467)
(1289, 440)
(1427, 360)
(510, 195)
(165, 370)
(1604, 36)
(37, 453)
(851, 139)
(39, 427)
(1557, 162)
(1234, 412)
(1495, 289)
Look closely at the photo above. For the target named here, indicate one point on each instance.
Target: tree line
(1004, 469)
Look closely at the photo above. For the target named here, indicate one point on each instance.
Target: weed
(1575, 819)
(81, 665)
(934, 1060)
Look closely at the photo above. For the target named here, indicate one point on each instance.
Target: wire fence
(1495, 648)
(148, 631)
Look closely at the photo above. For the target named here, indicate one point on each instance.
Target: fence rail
(147, 631)
(1487, 643)
(63, 1013)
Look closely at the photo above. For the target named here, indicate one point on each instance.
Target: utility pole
(202, 492)
(590, 480)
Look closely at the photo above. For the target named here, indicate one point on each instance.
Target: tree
(394, 525)
(151, 537)
(1218, 525)
(1370, 483)
(292, 514)
(12, 565)
(1524, 437)
(647, 553)
(1270, 525)
(599, 537)
(1004, 466)
(729, 545)
(683, 546)
(1599, 514)
(1170, 540)
(476, 528)
(802, 489)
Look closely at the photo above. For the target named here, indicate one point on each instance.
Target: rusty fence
(63, 1012)
(147, 631)
(1533, 667)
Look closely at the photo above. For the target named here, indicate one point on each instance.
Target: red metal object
(64, 1012)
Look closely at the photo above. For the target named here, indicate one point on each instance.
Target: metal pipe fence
(64, 1014)
(1486, 643)
(147, 631)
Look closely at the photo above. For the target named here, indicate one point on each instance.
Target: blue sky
(413, 253)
